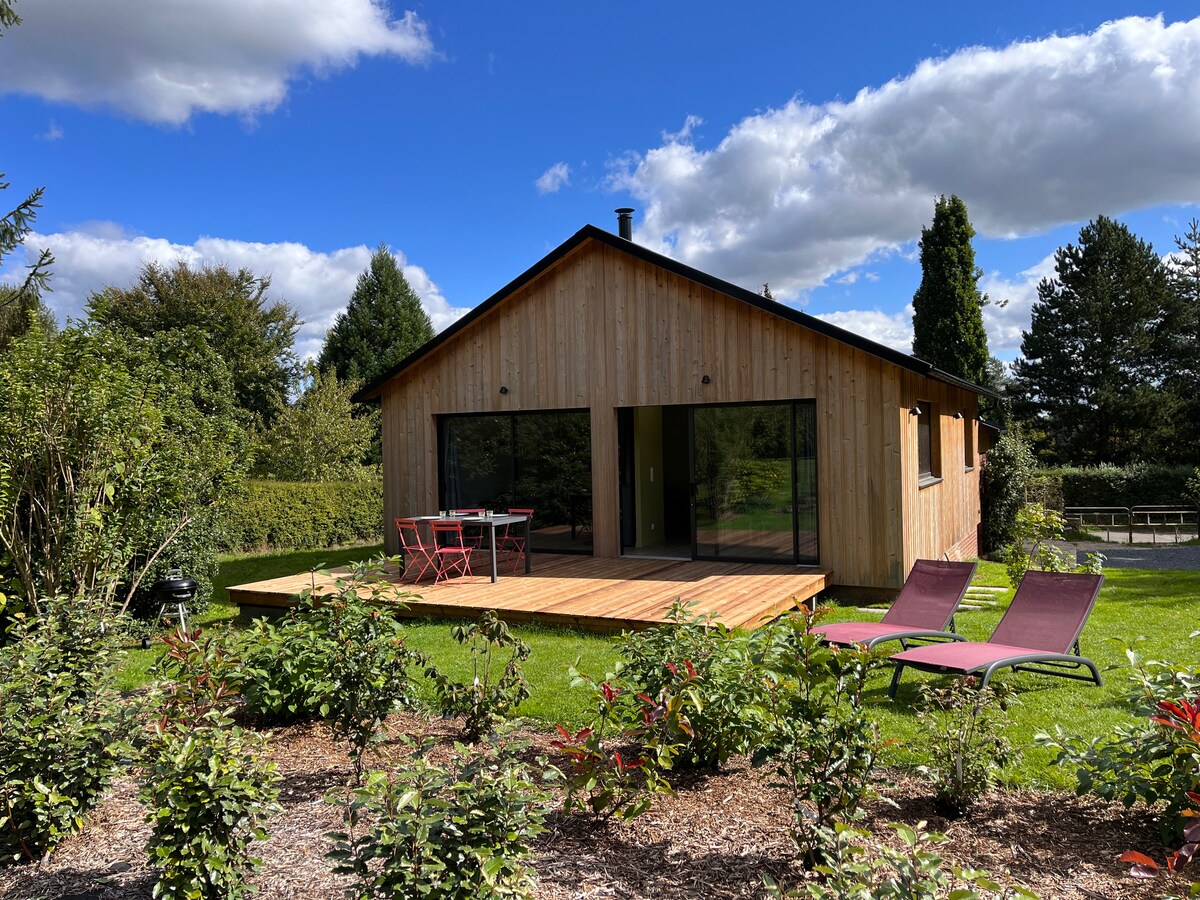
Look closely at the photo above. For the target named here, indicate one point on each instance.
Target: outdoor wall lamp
(706, 379)
(958, 415)
(915, 411)
(503, 389)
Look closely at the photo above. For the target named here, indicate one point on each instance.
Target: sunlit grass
(1161, 606)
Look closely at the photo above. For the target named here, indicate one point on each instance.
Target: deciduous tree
(382, 324)
(948, 305)
(253, 337)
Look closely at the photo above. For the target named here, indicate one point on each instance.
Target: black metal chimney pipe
(625, 222)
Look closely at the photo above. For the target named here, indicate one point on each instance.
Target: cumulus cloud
(553, 179)
(317, 284)
(890, 329)
(165, 61)
(1031, 136)
(1004, 323)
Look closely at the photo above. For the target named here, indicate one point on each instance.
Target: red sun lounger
(1038, 633)
(923, 609)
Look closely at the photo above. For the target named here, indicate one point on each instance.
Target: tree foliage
(382, 324)
(1094, 355)
(948, 305)
(110, 448)
(1182, 379)
(318, 438)
(253, 337)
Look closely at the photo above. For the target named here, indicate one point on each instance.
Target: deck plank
(591, 594)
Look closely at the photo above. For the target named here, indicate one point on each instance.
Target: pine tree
(1182, 379)
(1093, 359)
(382, 324)
(948, 306)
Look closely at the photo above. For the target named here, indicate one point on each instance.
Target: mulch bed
(715, 838)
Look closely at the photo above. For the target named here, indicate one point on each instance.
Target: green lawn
(1161, 606)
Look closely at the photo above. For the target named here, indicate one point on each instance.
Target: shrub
(303, 515)
(489, 698)
(1006, 476)
(612, 766)
(1138, 484)
(719, 698)
(967, 750)
(816, 733)
(207, 789)
(1147, 761)
(110, 448)
(340, 655)
(857, 869)
(456, 832)
(62, 731)
(1036, 527)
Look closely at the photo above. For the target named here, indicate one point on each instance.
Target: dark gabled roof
(372, 390)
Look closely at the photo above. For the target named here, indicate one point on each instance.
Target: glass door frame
(793, 406)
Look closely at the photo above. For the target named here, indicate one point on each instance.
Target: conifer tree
(948, 306)
(382, 324)
(1094, 357)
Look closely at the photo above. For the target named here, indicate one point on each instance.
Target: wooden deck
(592, 594)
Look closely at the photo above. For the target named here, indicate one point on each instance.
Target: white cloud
(890, 329)
(53, 133)
(1005, 323)
(317, 284)
(164, 61)
(1032, 135)
(553, 179)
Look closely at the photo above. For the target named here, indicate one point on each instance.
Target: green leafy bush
(303, 514)
(62, 731)
(340, 654)
(206, 788)
(490, 697)
(816, 732)
(963, 726)
(613, 767)
(1145, 761)
(856, 868)
(1006, 478)
(455, 832)
(720, 696)
(1138, 484)
(1036, 527)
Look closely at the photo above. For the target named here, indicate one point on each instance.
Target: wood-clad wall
(603, 329)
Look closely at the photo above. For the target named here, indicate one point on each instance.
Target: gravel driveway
(1123, 556)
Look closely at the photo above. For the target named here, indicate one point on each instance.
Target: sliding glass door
(754, 482)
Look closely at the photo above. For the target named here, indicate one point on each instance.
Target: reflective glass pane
(742, 473)
(539, 461)
(806, 483)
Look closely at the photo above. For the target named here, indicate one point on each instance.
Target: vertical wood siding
(603, 329)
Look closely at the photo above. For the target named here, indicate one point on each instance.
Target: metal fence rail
(1171, 524)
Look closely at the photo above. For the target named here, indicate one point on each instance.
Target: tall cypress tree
(382, 324)
(1095, 354)
(948, 305)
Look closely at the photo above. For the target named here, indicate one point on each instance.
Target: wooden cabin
(644, 408)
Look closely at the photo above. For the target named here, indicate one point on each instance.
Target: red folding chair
(453, 556)
(473, 538)
(416, 553)
(513, 543)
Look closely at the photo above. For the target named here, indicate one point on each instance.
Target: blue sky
(795, 144)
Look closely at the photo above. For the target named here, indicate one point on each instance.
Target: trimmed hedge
(1140, 484)
(303, 515)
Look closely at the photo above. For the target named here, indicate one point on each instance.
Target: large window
(541, 461)
(755, 477)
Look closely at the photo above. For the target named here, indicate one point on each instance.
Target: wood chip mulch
(715, 838)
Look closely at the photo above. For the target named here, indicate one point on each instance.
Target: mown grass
(1160, 607)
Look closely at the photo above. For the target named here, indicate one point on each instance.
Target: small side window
(929, 464)
(968, 443)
